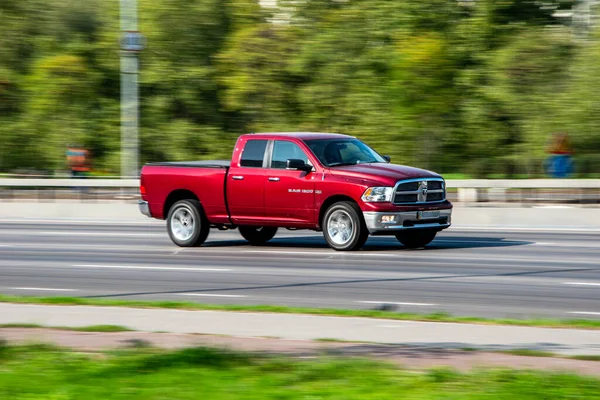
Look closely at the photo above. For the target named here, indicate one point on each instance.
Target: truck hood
(387, 174)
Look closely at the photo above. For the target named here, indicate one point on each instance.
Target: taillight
(142, 188)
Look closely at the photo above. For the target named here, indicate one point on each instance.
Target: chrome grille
(420, 191)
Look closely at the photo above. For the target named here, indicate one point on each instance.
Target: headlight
(377, 194)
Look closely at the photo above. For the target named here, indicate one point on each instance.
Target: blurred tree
(577, 109)
(60, 96)
(512, 66)
(257, 80)
(456, 86)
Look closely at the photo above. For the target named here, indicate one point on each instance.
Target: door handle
(274, 179)
(237, 177)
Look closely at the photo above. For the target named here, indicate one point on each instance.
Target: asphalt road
(484, 273)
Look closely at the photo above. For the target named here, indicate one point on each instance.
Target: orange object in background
(559, 144)
(78, 160)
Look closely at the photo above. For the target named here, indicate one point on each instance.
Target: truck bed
(203, 164)
(204, 180)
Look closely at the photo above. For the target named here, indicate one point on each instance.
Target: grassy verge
(542, 353)
(586, 358)
(529, 353)
(435, 317)
(199, 373)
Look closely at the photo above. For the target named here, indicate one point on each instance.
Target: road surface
(511, 273)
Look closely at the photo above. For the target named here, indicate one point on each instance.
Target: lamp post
(131, 43)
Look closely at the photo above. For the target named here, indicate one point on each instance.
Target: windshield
(333, 152)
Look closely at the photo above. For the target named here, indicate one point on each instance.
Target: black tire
(183, 214)
(347, 213)
(416, 239)
(257, 235)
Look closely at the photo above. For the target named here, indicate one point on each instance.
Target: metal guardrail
(523, 183)
(462, 190)
(68, 183)
(60, 189)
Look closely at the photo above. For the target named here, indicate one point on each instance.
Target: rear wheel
(416, 239)
(257, 235)
(344, 227)
(186, 223)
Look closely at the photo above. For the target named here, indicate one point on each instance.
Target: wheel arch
(177, 195)
(329, 202)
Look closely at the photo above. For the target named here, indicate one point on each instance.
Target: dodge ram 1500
(320, 181)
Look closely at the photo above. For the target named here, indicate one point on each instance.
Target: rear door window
(253, 153)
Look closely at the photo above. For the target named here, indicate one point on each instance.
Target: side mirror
(297, 164)
(387, 158)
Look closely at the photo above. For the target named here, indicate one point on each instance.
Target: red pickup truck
(320, 181)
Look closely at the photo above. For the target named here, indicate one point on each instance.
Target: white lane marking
(403, 256)
(85, 233)
(80, 221)
(553, 229)
(211, 295)
(492, 242)
(152, 268)
(582, 283)
(77, 246)
(568, 245)
(295, 253)
(398, 303)
(425, 257)
(45, 289)
(584, 313)
(212, 252)
(391, 326)
(552, 207)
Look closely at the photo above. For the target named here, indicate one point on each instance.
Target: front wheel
(257, 235)
(416, 239)
(344, 227)
(186, 223)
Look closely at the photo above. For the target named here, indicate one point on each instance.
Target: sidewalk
(306, 327)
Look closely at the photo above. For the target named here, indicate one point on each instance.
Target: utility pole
(583, 18)
(131, 44)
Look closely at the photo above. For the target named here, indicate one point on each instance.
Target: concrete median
(542, 217)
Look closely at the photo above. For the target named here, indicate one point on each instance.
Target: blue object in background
(559, 165)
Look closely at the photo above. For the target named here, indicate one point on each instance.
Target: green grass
(585, 358)
(333, 340)
(46, 373)
(435, 317)
(92, 328)
(529, 353)
(99, 328)
(542, 353)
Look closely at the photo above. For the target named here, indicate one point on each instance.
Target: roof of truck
(302, 135)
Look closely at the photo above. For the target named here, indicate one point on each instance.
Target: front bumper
(144, 208)
(406, 220)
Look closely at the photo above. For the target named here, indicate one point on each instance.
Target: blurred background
(471, 89)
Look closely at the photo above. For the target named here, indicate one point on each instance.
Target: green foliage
(467, 87)
(200, 372)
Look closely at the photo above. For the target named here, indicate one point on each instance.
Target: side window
(253, 153)
(283, 150)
